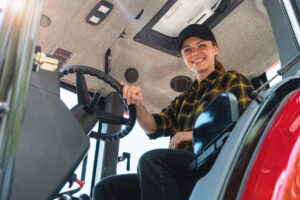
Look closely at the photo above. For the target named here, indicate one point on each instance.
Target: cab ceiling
(245, 39)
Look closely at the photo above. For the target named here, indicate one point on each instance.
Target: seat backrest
(52, 143)
(212, 125)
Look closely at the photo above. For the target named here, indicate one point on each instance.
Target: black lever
(124, 156)
(107, 61)
(94, 101)
(82, 90)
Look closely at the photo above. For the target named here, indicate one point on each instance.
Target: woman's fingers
(130, 93)
(133, 94)
(173, 143)
(125, 89)
(181, 138)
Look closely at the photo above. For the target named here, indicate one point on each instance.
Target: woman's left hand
(181, 138)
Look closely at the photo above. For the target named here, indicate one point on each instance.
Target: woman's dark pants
(162, 174)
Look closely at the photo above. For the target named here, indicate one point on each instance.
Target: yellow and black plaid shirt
(182, 113)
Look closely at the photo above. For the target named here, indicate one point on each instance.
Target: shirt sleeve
(240, 86)
(165, 119)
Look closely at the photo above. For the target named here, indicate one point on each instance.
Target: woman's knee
(117, 187)
(151, 157)
(102, 188)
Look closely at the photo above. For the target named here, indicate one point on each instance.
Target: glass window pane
(136, 143)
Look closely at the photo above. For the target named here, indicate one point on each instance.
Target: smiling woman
(165, 172)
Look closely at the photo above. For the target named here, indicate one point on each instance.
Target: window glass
(136, 143)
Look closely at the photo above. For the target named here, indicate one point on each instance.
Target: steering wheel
(88, 113)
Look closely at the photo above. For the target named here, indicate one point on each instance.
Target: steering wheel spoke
(82, 90)
(109, 118)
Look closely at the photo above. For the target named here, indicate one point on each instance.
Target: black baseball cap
(195, 30)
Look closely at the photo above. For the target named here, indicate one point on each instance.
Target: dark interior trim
(167, 44)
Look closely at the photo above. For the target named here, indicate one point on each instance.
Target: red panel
(276, 170)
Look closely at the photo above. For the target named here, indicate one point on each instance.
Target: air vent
(181, 83)
(63, 56)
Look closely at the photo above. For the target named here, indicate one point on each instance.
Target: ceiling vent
(63, 56)
(181, 83)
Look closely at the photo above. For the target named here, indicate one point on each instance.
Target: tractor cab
(53, 149)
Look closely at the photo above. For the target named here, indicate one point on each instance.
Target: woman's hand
(133, 94)
(181, 138)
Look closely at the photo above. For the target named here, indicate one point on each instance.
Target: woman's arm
(133, 94)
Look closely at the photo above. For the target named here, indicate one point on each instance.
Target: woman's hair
(218, 65)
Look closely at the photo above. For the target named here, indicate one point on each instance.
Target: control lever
(94, 101)
(124, 156)
(74, 179)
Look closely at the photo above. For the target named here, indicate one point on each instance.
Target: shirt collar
(210, 79)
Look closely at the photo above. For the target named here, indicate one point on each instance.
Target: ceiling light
(103, 9)
(99, 13)
(94, 19)
(183, 13)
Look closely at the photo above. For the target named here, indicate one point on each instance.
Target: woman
(164, 173)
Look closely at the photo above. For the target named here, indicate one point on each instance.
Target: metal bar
(17, 55)
(281, 72)
(289, 65)
(95, 167)
(83, 169)
(6, 28)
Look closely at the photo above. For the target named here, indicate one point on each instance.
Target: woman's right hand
(133, 94)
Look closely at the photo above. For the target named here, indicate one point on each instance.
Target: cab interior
(134, 41)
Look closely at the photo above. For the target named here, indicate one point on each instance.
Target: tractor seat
(212, 128)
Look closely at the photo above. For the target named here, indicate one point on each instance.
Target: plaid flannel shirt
(182, 113)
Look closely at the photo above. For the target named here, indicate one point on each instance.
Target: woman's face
(199, 55)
